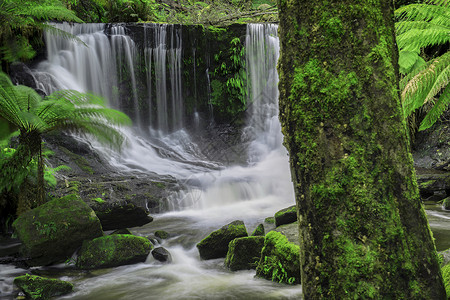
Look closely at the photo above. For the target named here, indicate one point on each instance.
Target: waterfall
(262, 52)
(105, 64)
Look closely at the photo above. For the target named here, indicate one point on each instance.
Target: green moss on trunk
(364, 233)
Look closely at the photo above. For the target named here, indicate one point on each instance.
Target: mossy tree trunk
(364, 233)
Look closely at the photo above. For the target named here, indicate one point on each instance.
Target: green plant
(20, 20)
(33, 116)
(425, 84)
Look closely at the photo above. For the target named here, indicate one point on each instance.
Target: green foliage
(230, 98)
(33, 116)
(446, 277)
(425, 83)
(21, 21)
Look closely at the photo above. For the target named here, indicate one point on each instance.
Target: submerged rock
(244, 253)
(286, 216)
(161, 254)
(53, 231)
(280, 259)
(161, 234)
(113, 250)
(36, 287)
(259, 230)
(215, 245)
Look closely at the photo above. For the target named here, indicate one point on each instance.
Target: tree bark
(363, 230)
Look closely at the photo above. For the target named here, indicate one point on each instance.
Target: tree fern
(424, 83)
(33, 116)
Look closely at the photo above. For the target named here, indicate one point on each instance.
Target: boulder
(36, 287)
(161, 254)
(445, 257)
(121, 215)
(215, 245)
(286, 216)
(113, 250)
(433, 185)
(244, 253)
(269, 220)
(446, 203)
(290, 231)
(259, 230)
(53, 231)
(280, 260)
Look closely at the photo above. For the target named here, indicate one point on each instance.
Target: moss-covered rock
(161, 234)
(269, 220)
(36, 287)
(290, 231)
(280, 261)
(259, 230)
(113, 250)
(215, 245)
(286, 216)
(53, 231)
(244, 253)
(446, 277)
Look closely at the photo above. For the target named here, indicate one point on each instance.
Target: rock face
(36, 287)
(53, 231)
(259, 230)
(286, 216)
(280, 261)
(215, 245)
(161, 254)
(244, 253)
(113, 250)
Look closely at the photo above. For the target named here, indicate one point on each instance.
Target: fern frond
(417, 90)
(438, 108)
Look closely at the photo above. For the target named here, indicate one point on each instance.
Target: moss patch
(36, 287)
(113, 250)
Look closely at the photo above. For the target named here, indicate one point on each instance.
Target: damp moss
(113, 250)
(36, 287)
(280, 261)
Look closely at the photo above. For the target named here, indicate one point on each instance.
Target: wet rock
(113, 250)
(445, 255)
(433, 185)
(286, 216)
(53, 231)
(118, 216)
(161, 254)
(269, 220)
(122, 231)
(161, 234)
(259, 230)
(244, 253)
(290, 231)
(36, 287)
(215, 245)
(280, 261)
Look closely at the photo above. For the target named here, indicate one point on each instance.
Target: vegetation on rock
(37, 287)
(113, 250)
(280, 261)
(244, 253)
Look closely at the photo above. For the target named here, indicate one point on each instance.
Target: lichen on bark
(363, 231)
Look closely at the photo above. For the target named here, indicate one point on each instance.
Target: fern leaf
(435, 113)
